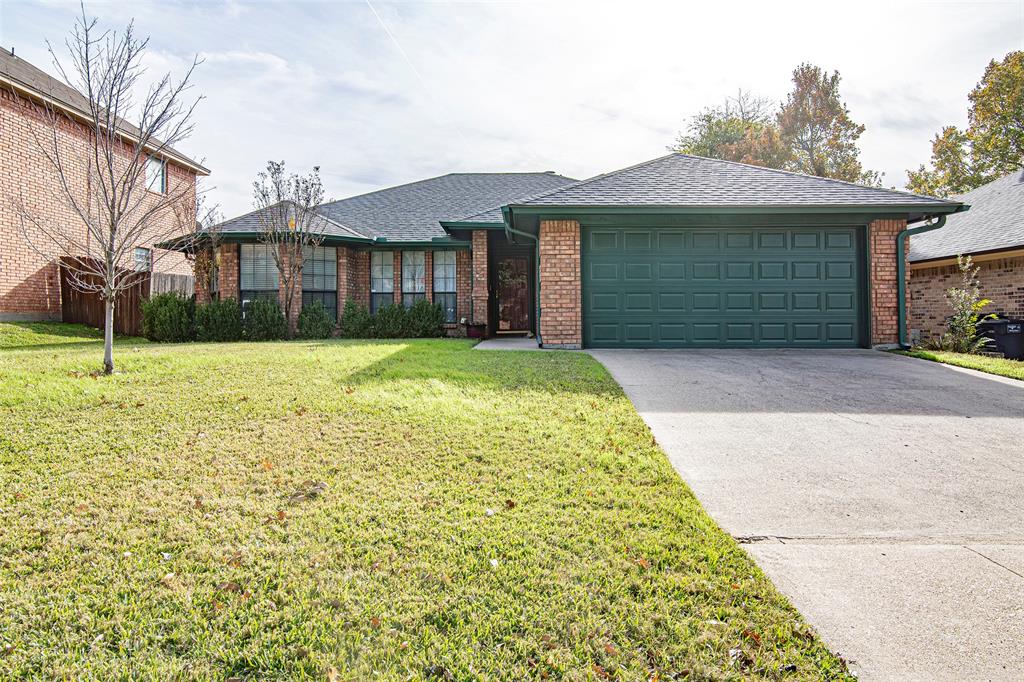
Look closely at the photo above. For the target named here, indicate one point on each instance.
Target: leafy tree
(816, 126)
(992, 145)
(810, 133)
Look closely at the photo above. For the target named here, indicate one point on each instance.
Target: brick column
(343, 270)
(480, 293)
(561, 318)
(463, 284)
(428, 274)
(227, 272)
(202, 280)
(884, 290)
(359, 277)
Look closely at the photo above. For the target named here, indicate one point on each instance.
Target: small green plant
(425, 319)
(967, 303)
(356, 321)
(264, 321)
(168, 318)
(315, 322)
(219, 321)
(389, 323)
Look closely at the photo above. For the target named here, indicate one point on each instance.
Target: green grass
(483, 516)
(27, 334)
(1013, 369)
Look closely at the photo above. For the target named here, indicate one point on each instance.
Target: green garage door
(675, 287)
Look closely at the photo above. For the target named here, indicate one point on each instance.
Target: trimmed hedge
(264, 321)
(219, 321)
(423, 320)
(315, 322)
(168, 318)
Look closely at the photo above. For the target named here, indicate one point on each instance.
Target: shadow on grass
(53, 335)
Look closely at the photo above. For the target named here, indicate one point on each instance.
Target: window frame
(136, 252)
(416, 273)
(382, 288)
(264, 292)
(324, 284)
(150, 161)
(445, 293)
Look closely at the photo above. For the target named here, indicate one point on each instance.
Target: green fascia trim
(458, 225)
(181, 243)
(876, 209)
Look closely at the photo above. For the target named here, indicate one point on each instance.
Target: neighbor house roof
(19, 74)
(682, 180)
(995, 222)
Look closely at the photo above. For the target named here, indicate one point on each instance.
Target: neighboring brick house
(680, 251)
(992, 233)
(29, 281)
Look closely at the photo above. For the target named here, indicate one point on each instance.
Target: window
(444, 283)
(156, 175)
(382, 279)
(414, 277)
(320, 278)
(258, 274)
(143, 259)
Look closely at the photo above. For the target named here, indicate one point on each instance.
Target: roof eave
(564, 209)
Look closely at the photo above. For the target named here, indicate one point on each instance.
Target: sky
(381, 93)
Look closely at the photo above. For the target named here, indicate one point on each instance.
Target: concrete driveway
(884, 495)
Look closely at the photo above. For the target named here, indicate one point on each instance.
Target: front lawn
(354, 511)
(1013, 369)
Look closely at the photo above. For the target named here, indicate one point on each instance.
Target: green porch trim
(190, 242)
(460, 225)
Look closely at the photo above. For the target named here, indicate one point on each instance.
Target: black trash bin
(1006, 334)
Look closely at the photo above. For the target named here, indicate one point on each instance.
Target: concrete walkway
(508, 343)
(884, 495)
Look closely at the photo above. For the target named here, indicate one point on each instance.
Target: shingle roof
(34, 79)
(682, 180)
(414, 211)
(995, 221)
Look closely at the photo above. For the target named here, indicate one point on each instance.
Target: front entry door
(513, 304)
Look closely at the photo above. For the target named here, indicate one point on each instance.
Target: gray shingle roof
(34, 79)
(413, 211)
(682, 180)
(995, 221)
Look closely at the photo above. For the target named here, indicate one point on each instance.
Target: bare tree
(202, 224)
(103, 181)
(290, 222)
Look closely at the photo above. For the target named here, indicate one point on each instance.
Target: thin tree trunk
(108, 336)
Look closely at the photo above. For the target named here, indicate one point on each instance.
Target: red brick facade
(884, 293)
(481, 289)
(1002, 281)
(561, 318)
(29, 281)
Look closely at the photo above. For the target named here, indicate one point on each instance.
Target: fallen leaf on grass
(610, 649)
(375, 622)
(229, 587)
(267, 464)
(510, 504)
(643, 563)
(751, 635)
(333, 675)
(167, 580)
(310, 490)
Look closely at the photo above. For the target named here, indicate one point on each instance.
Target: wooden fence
(163, 282)
(86, 307)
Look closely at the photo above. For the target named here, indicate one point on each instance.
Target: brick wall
(884, 293)
(480, 297)
(293, 314)
(463, 284)
(1002, 280)
(227, 272)
(29, 281)
(561, 302)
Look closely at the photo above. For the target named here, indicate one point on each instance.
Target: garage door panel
(678, 287)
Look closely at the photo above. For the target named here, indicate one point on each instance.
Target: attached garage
(689, 252)
(723, 287)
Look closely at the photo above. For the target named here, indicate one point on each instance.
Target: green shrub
(356, 321)
(425, 319)
(264, 321)
(967, 303)
(315, 322)
(389, 322)
(219, 321)
(168, 318)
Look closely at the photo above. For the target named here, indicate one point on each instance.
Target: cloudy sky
(384, 93)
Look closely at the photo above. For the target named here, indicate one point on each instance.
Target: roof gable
(682, 180)
(995, 221)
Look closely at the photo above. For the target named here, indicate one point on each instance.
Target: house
(679, 251)
(992, 233)
(29, 280)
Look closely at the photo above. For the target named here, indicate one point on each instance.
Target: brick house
(29, 281)
(680, 251)
(992, 233)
